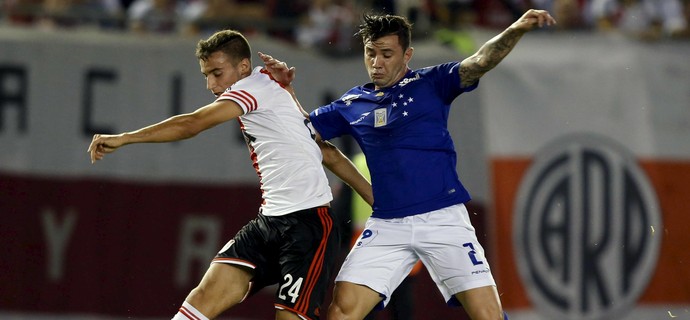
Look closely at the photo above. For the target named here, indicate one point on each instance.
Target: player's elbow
(482, 64)
(189, 126)
(331, 154)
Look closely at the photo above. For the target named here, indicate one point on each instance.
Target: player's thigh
(286, 315)
(381, 258)
(352, 301)
(226, 280)
(481, 303)
(448, 247)
(222, 287)
(310, 243)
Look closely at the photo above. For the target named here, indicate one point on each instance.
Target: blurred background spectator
(159, 16)
(329, 25)
(208, 16)
(284, 17)
(63, 13)
(643, 19)
(686, 14)
(454, 21)
(20, 12)
(419, 12)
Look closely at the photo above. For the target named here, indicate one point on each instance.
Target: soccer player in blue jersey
(400, 121)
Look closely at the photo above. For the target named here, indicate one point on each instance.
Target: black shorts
(296, 251)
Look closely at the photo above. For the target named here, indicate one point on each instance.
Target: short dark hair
(231, 42)
(375, 26)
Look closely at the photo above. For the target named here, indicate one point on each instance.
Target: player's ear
(245, 66)
(408, 54)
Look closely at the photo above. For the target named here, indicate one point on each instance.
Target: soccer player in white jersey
(294, 240)
(400, 121)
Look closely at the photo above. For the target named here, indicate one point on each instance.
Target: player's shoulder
(439, 69)
(259, 78)
(350, 97)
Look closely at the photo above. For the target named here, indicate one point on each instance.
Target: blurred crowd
(328, 25)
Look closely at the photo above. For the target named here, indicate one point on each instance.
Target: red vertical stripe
(255, 160)
(317, 263)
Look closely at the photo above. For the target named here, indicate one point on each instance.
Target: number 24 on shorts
(293, 291)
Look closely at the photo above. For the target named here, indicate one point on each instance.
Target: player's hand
(102, 144)
(278, 69)
(533, 19)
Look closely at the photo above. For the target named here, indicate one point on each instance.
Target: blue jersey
(403, 132)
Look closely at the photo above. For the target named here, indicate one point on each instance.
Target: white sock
(188, 312)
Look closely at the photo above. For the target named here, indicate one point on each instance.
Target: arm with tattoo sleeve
(494, 50)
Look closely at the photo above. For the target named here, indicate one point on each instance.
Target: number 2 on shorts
(472, 253)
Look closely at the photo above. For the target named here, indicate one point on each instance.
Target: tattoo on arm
(488, 56)
(469, 73)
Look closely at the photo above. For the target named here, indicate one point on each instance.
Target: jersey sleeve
(251, 92)
(328, 122)
(446, 77)
(247, 101)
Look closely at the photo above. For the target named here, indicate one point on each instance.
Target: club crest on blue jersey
(381, 117)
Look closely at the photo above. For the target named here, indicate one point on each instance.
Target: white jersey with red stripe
(281, 146)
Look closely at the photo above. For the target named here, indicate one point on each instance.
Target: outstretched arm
(175, 128)
(494, 50)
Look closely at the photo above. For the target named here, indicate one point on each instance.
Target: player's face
(220, 73)
(385, 60)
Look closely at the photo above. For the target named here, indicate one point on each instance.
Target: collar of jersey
(369, 87)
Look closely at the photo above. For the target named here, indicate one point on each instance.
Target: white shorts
(444, 240)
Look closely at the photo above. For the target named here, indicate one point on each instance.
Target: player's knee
(219, 296)
(335, 312)
(198, 295)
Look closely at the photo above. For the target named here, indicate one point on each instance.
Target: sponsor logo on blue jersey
(408, 80)
(364, 115)
(350, 97)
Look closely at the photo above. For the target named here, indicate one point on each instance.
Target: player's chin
(380, 83)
